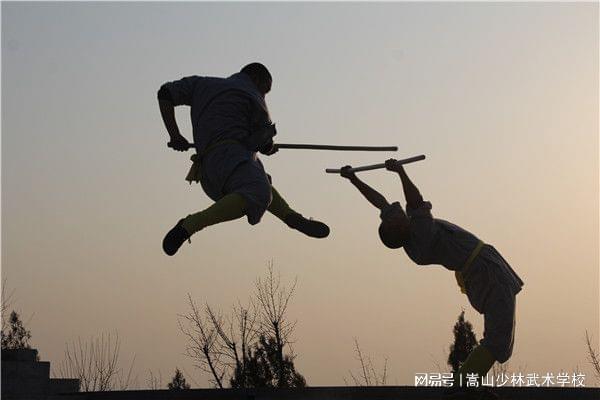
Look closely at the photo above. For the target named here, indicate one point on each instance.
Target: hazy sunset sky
(501, 97)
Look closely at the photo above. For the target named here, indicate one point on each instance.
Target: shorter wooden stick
(376, 166)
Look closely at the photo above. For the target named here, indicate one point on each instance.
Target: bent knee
(499, 343)
(501, 351)
(262, 197)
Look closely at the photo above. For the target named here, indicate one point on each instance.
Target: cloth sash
(460, 275)
(195, 171)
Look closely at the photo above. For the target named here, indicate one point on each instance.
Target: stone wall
(24, 377)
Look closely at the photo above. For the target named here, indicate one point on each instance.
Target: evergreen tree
(15, 336)
(263, 367)
(178, 382)
(464, 342)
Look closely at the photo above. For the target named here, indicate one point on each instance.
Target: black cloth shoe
(175, 238)
(309, 227)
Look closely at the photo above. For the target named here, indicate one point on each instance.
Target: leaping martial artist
(231, 123)
(489, 282)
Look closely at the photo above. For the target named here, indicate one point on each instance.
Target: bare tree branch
(5, 302)
(191, 378)
(273, 300)
(223, 345)
(154, 382)
(593, 355)
(202, 343)
(436, 363)
(95, 363)
(500, 369)
(368, 374)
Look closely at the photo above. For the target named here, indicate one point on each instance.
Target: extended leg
(280, 208)
(499, 323)
(479, 362)
(497, 342)
(229, 207)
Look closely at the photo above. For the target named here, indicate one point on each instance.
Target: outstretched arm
(372, 195)
(167, 111)
(411, 192)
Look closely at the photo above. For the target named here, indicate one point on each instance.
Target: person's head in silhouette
(260, 75)
(394, 227)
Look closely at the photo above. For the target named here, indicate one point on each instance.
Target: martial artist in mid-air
(231, 123)
(487, 279)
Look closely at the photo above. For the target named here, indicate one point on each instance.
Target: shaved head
(260, 75)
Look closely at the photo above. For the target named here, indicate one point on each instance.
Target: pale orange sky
(502, 98)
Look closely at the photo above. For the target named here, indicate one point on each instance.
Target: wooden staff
(333, 147)
(376, 166)
(296, 146)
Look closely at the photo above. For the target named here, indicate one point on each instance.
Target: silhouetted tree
(154, 381)
(178, 382)
(367, 376)
(273, 300)
(203, 342)
(248, 348)
(593, 356)
(5, 302)
(96, 364)
(264, 368)
(464, 342)
(15, 336)
(235, 335)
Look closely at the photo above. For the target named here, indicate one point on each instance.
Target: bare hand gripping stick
(376, 166)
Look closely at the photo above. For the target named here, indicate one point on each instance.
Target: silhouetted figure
(231, 123)
(490, 283)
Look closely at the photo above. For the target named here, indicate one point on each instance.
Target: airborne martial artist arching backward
(482, 273)
(231, 123)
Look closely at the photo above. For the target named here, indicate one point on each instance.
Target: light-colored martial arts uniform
(230, 122)
(488, 280)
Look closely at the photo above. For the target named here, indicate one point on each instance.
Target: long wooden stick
(334, 147)
(376, 166)
(297, 146)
